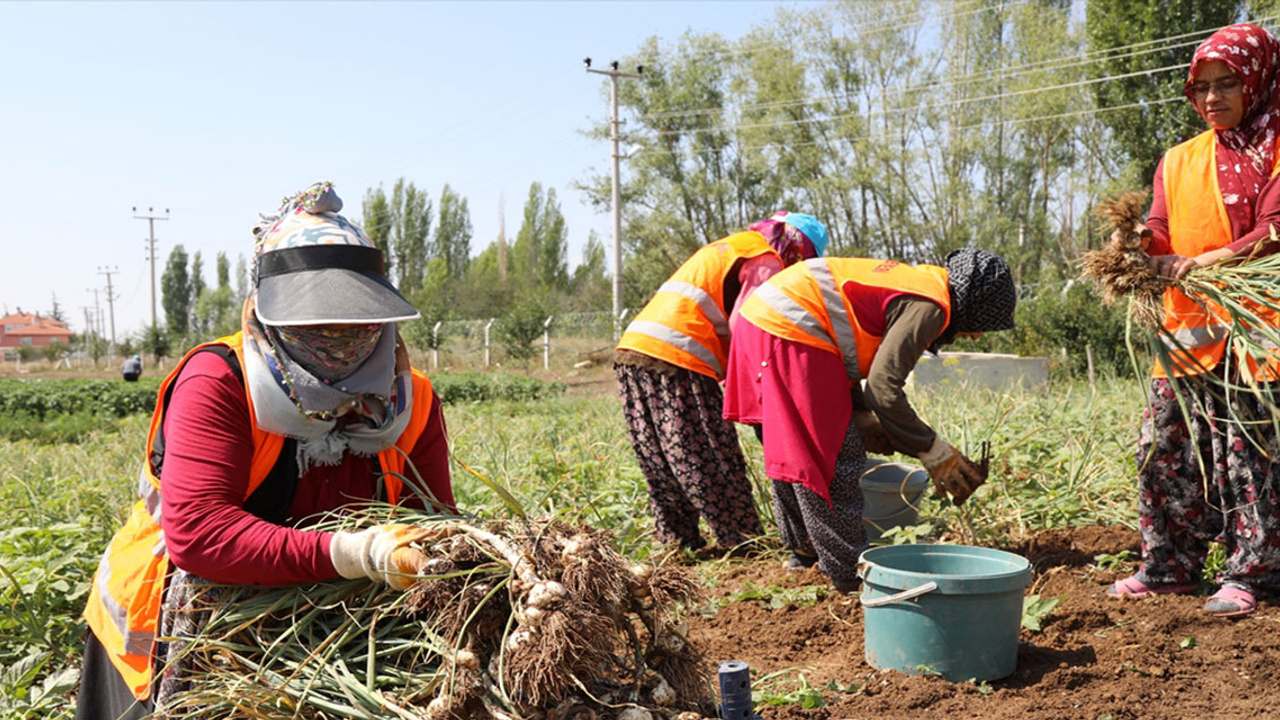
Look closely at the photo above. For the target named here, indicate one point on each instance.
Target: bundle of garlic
(1123, 271)
(516, 618)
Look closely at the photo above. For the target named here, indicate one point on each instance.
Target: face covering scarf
(363, 413)
(330, 353)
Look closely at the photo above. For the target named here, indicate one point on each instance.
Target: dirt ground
(1096, 658)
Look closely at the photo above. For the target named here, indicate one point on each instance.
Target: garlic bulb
(547, 594)
(663, 695)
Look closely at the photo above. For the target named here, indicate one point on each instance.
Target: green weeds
(1106, 561)
(803, 695)
(1035, 609)
(1062, 457)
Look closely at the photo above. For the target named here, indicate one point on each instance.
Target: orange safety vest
(686, 323)
(125, 596)
(1198, 223)
(809, 303)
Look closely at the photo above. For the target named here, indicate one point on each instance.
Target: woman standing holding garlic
(1206, 475)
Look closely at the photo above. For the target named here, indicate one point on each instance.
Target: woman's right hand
(1122, 241)
(380, 553)
(952, 473)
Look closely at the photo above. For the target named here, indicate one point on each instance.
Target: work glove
(952, 473)
(379, 553)
(874, 438)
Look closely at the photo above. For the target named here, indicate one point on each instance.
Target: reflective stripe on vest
(685, 322)
(833, 300)
(677, 339)
(807, 303)
(149, 494)
(125, 596)
(1195, 337)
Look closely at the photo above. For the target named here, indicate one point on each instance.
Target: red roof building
(31, 329)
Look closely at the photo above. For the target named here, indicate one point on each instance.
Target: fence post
(486, 340)
(546, 342)
(435, 345)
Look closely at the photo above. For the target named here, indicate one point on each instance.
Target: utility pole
(111, 308)
(613, 74)
(97, 313)
(87, 345)
(151, 254)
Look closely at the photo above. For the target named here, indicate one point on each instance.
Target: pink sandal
(1137, 586)
(1231, 601)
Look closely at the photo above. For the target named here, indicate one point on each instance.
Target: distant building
(32, 329)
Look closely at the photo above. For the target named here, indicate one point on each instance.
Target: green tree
(541, 245)
(175, 292)
(56, 312)
(481, 293)
(1149, 81)
(377, 220)
(591, 288)
(157, 342)
(224, 271)
(197, 277)
(453, 233)
(242, 279)
(95, 346)
(434, 302)
(521, 328)
(215, 313)
(400, 225)
(54, 350)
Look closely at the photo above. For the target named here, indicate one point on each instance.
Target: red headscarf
(1246, 152)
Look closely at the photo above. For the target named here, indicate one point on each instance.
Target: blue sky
(216, 111)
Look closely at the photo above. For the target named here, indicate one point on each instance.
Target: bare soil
(1096, 658)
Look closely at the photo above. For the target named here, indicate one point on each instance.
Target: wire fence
(568, 340)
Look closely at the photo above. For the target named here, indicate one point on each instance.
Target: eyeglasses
(1225, 86)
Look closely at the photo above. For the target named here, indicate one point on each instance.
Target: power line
(1051, 64)
(904, 133)
(881, 113)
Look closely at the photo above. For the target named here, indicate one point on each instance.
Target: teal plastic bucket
(891, 493)
(950, 610)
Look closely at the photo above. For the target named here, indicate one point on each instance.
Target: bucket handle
(914, 592)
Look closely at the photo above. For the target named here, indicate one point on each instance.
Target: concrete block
(985, 370)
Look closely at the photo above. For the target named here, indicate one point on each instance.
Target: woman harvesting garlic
(1205, 474)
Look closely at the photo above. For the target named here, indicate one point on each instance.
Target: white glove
(379, 553)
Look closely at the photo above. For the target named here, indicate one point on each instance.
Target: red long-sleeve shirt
(208, 450)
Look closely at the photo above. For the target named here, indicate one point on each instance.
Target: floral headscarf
(1246, 153)
(785, 233)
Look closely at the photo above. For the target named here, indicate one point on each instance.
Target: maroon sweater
(208, 450)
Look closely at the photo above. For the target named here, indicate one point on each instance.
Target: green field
(1063, 456)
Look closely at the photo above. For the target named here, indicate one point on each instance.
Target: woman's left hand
(1175, 266)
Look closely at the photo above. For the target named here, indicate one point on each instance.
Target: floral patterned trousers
(1208, 480)
(832, 531)
(689, 455)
